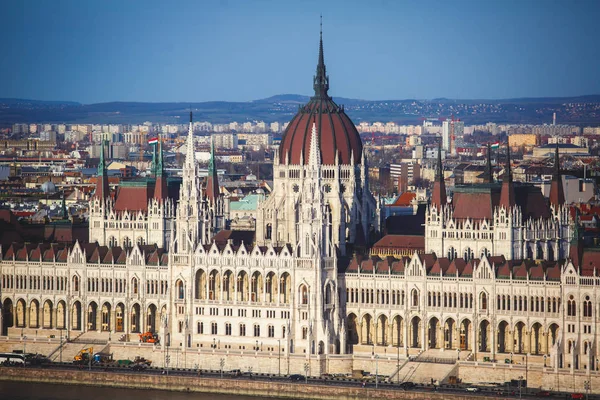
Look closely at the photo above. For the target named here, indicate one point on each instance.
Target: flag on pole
(496, 145)
(153, 140)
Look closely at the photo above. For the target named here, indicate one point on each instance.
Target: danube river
(44, 391)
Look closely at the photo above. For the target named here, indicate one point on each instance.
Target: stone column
(511, 341)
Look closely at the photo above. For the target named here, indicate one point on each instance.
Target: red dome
(337, 133)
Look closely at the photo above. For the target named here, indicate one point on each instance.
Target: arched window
(180, 289)
(587, 307)
(304, 294)
(126, 242)
(75, 283)
(571, 307)
(484, 252)
(451, 253)
(141, 241)
(112, 242)
(134, 285)
(269, 231)
(483, 301)
(468, 254)
(415, 298)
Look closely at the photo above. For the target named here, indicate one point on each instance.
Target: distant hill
(13, 102)
(282, 108)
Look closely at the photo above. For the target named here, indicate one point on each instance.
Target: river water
(44, 391)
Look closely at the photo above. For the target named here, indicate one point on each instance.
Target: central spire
(321, 80)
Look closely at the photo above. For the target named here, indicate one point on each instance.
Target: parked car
(472, 389)
(543, 393)
(296, 377)
(138, 366)
(235, 372)
(407, 385)
(577, 396)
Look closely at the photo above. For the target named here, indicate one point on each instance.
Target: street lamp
(279, 357)
(376, 371)
(587, 387)
(306, 372)
(256, 347)
(544, 361)
(520, 380)
(214, 345)
(222, 364)
(511, 354)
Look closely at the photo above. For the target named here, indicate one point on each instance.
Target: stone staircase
(424, 372)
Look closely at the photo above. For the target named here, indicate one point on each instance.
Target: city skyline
(94, 52)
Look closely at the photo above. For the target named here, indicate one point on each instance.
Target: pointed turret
(557, 194)
(212, 182)
(189, 156)
(64, 211)
(507, 195)
(321, 80)
(160, 189)
(489, 172)
(438, 197)
(102, 190)
(576, 244)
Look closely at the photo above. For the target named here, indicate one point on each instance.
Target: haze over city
(240, 51)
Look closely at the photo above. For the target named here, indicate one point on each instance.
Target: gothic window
(134, 285)
(484, 252)
(415, 298)
(571, 307)
(269, 230)
(483, 301)
(304, 294)
(180, 289)
(141, 241)
(587, 307)
(112, 242)
(242, 329)
(451, 253)
(126, 242)
(468, 254)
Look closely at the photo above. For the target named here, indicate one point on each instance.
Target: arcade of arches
(101, 317)
(451, 334)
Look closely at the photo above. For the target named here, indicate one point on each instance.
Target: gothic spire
(159, 161)
(489, 172)
(438, 197)
(160, 189)
(189, 157)
(321, 80)
(102, 191)
(557, 194)
(65, 213)
(507, 193)
(212, 182)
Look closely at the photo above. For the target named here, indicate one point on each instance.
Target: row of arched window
(214, 330)
(375, 296)
(453, 300)
(24, 282)
(586, 307)
(126, 242)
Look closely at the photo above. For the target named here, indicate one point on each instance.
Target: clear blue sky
(96, 51)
